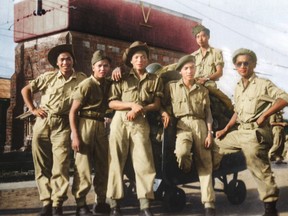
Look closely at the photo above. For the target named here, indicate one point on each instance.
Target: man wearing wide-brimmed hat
(51, 132)
(189, 102)
(256, 99)
(133, 97)
(90, 137)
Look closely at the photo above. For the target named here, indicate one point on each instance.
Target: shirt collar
(98, 81)
(181, 84)
(251, 80)
(199, 50)
(73, 76)
(133, 72)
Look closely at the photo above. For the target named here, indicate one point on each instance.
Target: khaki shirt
(92, 94)
(206, 65)
(193, 102)
(131, 89)
(256, 98)
(56, 91)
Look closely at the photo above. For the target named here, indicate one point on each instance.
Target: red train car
(117, 19)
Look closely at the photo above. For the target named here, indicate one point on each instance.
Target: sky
(259, 25)
(6, 39)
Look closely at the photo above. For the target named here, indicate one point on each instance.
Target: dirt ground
(22, 198)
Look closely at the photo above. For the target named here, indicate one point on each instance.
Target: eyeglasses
(239, 64)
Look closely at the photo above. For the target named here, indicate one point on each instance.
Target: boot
(102, 208)
(57, 211)
(270, 209)
(210, 212)
(83, 211)
(46, 210)
(115, 211)
(145, 212)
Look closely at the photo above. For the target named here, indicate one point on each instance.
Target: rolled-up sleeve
(115, 91)
(276, 92)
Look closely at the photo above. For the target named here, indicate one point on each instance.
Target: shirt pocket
(198, 65)
(51, 95)
(130, 94)
(250, 105)
(147, 94)
(210, 68)
(179, 106)
(198, 107)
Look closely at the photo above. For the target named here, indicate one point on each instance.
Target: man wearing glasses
(256, 99)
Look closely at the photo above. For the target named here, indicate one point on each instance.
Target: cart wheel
(174, 200)
(236, 192)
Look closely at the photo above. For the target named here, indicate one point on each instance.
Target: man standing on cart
(190, 104)
(256, 99)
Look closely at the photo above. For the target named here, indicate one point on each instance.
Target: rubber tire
(236, 192)
(174, 200)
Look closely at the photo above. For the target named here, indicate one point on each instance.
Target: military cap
(133, 48)
(244, 51)
(183, 60)
(98, 56)
(57, 50)
(153, 67)
(198, 28)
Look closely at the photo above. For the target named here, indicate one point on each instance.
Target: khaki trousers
(130, 137)
(51, 151)
(93, 154)
(190, 137)
(255, 144)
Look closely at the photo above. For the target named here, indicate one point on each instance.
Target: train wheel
(174, 200)
(236, 192)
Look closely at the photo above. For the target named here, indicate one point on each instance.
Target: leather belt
(92, 115)
(249, 126)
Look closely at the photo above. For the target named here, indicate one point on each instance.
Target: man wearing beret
(256, 99)
(90, 137)
(138, 93)
(209, 64)
(51, 132)
(189, 102)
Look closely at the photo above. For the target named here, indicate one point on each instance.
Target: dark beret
(244, 51)
(183, 60)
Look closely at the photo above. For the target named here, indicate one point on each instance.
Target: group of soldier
(78, 108)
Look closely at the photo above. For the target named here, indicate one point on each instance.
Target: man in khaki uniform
(51, 132)
(278, 124)
(90, 137)
(133, 97)
(209, 65)
(256, 99)
(191, 106)
(285, 151)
